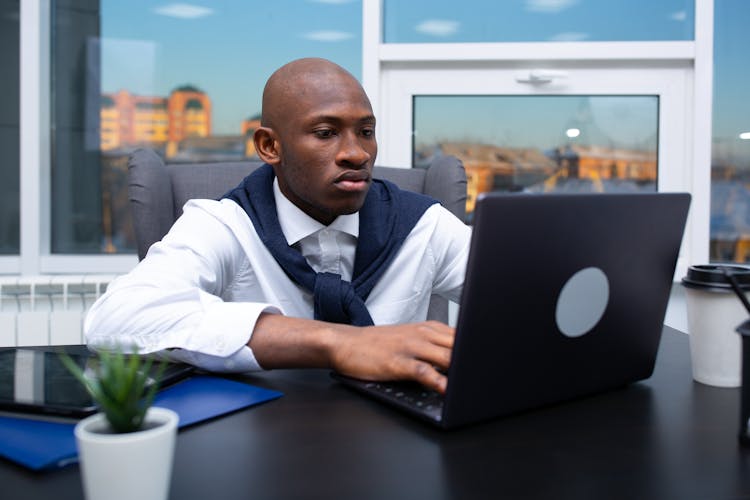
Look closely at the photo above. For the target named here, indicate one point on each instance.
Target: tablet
(34, 381)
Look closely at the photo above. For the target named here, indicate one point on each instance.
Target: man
(267, 277)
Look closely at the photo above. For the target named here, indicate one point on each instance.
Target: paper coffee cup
(714, 313)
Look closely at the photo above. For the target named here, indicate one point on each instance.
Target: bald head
(299, 80)
(318, 133)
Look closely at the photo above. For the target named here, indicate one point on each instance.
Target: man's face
(327, 148)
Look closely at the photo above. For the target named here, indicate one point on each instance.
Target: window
(9, 128)
(182, 78)
(642, 83)
(596, 129)
(730, 163)
(428, 21)
(542, 143)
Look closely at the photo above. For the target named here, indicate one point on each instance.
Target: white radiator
(46, 310)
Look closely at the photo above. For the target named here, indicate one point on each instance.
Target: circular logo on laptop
(582, 302)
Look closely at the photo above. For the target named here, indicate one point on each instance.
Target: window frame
(671, 85)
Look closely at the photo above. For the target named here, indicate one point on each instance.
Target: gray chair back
(158, 191)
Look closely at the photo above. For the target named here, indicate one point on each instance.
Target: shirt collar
(297, 225)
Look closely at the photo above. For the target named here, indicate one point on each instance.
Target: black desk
(663, 438)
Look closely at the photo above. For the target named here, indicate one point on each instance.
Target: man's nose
(352, 151)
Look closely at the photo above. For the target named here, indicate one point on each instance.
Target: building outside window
(542, 144)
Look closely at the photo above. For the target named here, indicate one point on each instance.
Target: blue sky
(537, 20)
(228, 48)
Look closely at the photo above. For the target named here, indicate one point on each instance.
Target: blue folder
(38, 444)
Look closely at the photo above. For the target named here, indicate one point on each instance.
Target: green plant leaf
(122, 385)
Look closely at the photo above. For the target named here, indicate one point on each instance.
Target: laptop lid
(565, 295)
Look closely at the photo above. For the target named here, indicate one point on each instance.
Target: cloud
(680, 15)
(549, 6)
(183, 11)
(327, 36)
(569, 36)
(437, 27)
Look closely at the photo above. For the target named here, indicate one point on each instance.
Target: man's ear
(267, 145)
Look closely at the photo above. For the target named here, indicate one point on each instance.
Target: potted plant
(126, 449)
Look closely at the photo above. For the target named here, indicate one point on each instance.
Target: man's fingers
(433, 346)
(435, 355)
(439, 333)
(428, 376)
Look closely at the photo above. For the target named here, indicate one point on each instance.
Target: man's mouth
(357, 180)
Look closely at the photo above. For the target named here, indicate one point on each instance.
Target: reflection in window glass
(730, 164)
(182, 78)
(9, 128)
(440, 21)
(542, 143)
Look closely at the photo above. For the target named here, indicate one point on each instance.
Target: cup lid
(712, 276)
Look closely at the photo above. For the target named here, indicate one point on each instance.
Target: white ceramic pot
(131, 465)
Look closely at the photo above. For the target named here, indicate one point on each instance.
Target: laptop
(35, 383)
(564, 296)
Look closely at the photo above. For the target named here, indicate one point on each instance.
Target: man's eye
(324, 133)
(368, 132)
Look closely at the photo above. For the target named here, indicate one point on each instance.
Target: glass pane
(431, 21)
(730, 165)
(181, 78)
(9, 128)
(542, 143)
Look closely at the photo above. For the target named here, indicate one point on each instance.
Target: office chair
(158, 191)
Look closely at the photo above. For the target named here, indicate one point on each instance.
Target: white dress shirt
(198, 293)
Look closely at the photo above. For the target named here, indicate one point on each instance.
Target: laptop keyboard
(410, 396)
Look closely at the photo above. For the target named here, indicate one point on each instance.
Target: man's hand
(396, 352)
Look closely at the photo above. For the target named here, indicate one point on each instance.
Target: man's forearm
(283, 342)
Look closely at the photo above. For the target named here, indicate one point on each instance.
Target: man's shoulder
(199, 213)
(220, 209)
(437, 214)
(216, 226)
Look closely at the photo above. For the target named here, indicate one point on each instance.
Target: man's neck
(296, 224)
